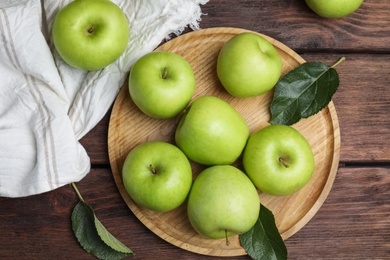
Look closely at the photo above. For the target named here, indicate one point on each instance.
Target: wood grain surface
(354, 220)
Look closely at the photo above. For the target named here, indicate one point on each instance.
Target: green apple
(334, 8)
(90, 34)
(157, 176)
(161, 84)
(211, 132)
(222, 202)
(248, 65)
(278, 159)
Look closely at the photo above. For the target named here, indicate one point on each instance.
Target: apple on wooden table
(248, 65)
(222, 202)
(157, 176)
(161, 84)
(211, 132)
(278, 159)
(90, 34)
(334, 8)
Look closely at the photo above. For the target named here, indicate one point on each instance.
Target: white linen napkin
(46, 106)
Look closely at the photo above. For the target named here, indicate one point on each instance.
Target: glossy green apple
(278, 159)
(90, 34)
(334, 8)
(161, 84)
(222, 202)
(157, 176)
(248, 65)
(211, 132)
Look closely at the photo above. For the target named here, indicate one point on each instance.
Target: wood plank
(362, 108)
(39, 226)
(294, 24)
(354, 222)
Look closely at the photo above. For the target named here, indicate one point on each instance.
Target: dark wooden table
(354, 221)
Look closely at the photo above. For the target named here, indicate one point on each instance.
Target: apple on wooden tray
(157, 176)
(223, 202)
(211, 132)
(161, 84)
(90, 34)
(248, 65)
(278, 159)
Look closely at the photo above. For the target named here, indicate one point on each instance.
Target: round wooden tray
(129, 127)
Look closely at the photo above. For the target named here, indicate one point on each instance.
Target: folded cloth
(46, 106)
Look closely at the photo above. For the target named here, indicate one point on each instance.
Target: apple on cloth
(46, 105)
(90, 35)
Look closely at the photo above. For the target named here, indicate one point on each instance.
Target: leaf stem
(338, 62)
(77, 191)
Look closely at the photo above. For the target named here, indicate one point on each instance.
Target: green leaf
(263, 240)
(303, 92)
(109, 239)
(93, 237)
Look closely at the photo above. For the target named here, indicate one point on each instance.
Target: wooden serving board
(129, 127)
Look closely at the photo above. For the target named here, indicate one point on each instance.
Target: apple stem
(154, 170)
(164, 73)
(338, 62)
(283, 162)
(91, 29)
(226, 238)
